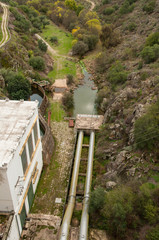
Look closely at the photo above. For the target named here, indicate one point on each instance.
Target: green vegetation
(108, 11)
(150, 54)
(109, 37)
(127, 7)
(70, 79)
(97, 200)
(18, 86)
(64, 39)
(149, 6)
(117, 74)
(57, 112)
(132, 26)
(37, 63)
(124, 208)
(38, 22)
(42, 45)
(21, 23)
(80, 48)
(62, 68)
(153, 234)
(146, 128)
(152, 39)
(54, 39)
(67, 101)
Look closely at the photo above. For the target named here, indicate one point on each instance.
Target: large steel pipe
(83, 235)
(64, 232)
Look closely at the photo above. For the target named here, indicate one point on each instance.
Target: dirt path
(4, 25)
(92, 4)
(54, 180)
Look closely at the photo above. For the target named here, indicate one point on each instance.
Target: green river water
(84, 96)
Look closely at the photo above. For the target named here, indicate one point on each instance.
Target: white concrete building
(20, 160)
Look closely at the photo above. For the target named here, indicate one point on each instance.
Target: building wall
(13, 233)
(5, 196)
(19, 182)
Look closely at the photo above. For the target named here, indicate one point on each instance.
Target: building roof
(15, 116)
(60, 83)
(88, 122)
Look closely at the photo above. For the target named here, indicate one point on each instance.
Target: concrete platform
(88, 122)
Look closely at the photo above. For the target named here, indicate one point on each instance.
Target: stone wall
(47, 139)
(44, 103)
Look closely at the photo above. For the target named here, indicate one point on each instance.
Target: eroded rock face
(110, 185)
(96, 234)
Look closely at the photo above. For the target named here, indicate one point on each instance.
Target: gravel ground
(54, 181)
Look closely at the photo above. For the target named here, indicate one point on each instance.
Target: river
(84, 96)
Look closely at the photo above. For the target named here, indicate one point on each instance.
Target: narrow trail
(4, 25)
(92, 5)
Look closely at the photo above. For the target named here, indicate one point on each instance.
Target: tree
(94, 26)
(42, 45)
(71, 4)
(109, 37)
(117, 74)
(67, 101)
(118, 209)
(37, 63)
(80, 48)
(70, 79)
(150, 53)
(18, 86)
(91, 41)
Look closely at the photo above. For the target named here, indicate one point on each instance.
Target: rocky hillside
(23, 54)
(126, 73)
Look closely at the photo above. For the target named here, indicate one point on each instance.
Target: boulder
(110, 185)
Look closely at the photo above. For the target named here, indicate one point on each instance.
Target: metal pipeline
(83, 235)
(64, 232)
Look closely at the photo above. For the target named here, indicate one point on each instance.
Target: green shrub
(80, 48)
(144, 75)
(105, 1)
(150, 212)
(117, 74)
(152, 39)
(149, 7)
(18, 86)
(21, 24)
(132, 26)
(42, 45)
(70, 79)
(140, 65)
(68, 101)
(150, 54)
(116, 7)
(117, 210)
(54, 39)
(108, 11)
(146, 130)
(153, 234)
(109, 37)
(126, 7)
(97, 200)
(37, 63)
(91, 41)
